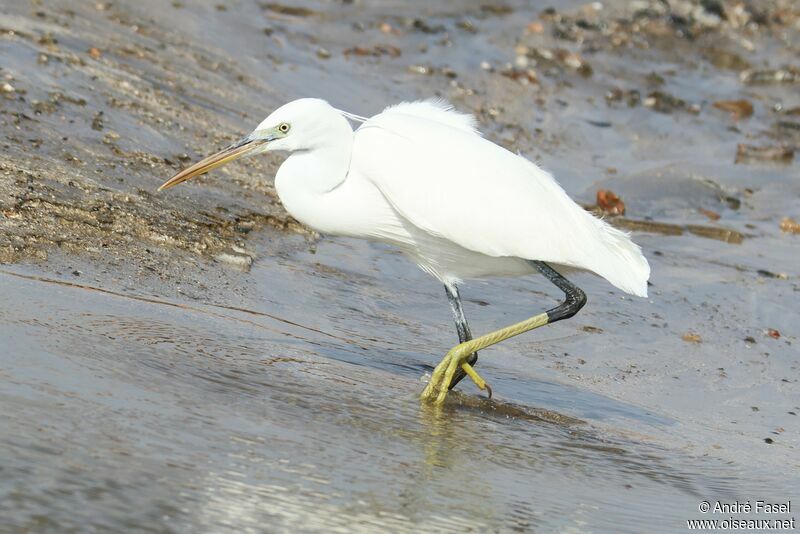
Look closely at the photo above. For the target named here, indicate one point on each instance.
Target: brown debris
(97, 121)
(748, 153)
(429, 70)
(385, 27)
(666, 103)
(790, 226)
(556, 58)
(374, 51)
(654, 79)
(713, 215)
(535, 27)
(610, 203)
(770, 76)
(573, 61)
(709, 232)
(725, 59)
(774, 334)
(496, 9)
(631, 96)
(720, 234)
(739, 109)
(691, 337)
(292, 11)
(638, 225)
(521, 75)
(421, 25)
(95, 52)
(769, 274)
(784, 129)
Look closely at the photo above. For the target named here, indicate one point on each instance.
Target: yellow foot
(442, 376)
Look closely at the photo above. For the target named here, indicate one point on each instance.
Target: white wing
(438, 173)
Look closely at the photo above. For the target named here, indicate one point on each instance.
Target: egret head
(302, 124)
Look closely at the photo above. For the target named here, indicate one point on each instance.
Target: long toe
(437, 383)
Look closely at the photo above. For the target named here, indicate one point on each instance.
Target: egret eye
(283, 127)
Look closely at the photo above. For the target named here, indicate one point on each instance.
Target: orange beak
(222, 157)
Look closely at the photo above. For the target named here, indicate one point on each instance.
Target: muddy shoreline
(174, 361)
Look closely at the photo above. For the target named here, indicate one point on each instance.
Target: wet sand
(196, 360)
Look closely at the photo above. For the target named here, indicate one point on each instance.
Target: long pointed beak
(235, 151)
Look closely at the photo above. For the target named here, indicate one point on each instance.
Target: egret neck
(309, 174)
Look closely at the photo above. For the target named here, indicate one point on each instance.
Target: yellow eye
(284, 127)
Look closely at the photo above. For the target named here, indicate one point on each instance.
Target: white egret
(419, 176)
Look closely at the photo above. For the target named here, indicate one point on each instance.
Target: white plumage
(420, 176)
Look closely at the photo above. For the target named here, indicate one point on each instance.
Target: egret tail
(615, 257)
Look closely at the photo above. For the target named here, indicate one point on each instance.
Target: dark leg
(456, 360)
(574, 297)
(462, 327)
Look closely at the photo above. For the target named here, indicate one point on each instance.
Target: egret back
(437, 110)
(448, 181)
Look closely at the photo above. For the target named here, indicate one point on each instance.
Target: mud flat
(196, 360)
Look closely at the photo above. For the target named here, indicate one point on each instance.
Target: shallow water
(154, 416)
(145, 386)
